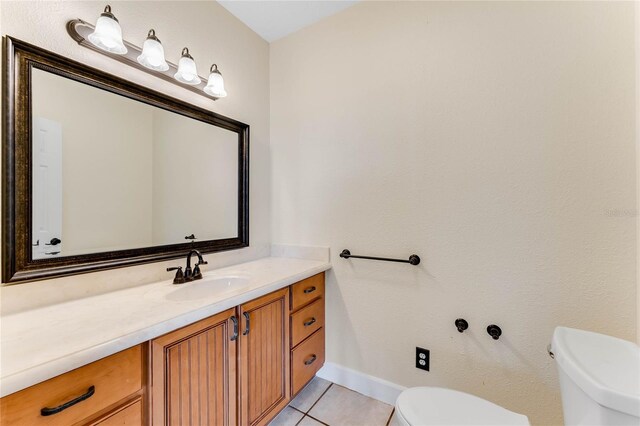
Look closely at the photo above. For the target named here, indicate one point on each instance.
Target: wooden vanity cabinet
(264, 361)
(106, 392)
(231, 368)
(238, 367)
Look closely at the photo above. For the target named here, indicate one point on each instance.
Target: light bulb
(187, 72)
(108, 35)
(215, 84)
(152, 55)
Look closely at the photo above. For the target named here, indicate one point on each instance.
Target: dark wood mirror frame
(17, 263)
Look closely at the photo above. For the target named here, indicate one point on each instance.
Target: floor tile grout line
(317, 420)
(319, 398)
(391, 416)
(299, 411)
(301, 418)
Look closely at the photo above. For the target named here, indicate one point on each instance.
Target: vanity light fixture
(152, 55)
(187, 72)
(106, 38)
(215, 84)
(108, 34)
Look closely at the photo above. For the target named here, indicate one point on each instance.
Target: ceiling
(275, 19)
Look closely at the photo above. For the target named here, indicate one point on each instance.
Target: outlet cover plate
(422, 358)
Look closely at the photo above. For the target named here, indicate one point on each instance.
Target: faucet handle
(197, 274)
(179, 278)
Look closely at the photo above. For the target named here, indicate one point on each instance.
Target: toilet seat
(439, 406)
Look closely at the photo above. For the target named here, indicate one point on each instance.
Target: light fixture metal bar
(79, 30)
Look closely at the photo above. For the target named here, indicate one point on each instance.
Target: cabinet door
(264, 361)
(194, 374)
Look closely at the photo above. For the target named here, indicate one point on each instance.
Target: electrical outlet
(422, 358)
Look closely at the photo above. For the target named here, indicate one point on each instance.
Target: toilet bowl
(438, 406)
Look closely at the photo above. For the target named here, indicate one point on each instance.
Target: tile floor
(324, 403)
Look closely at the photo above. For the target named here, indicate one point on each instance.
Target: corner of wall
(637, 52)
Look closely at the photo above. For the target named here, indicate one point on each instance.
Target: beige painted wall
(495, 140)
(106, 168)
(195, 180)
(212, 35)
(637, 32)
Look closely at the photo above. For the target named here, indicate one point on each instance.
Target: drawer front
(306, 321)
(307, 290)
(306, 360)
(112, 379)
(126, 415)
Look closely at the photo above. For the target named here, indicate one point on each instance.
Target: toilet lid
(438, 406)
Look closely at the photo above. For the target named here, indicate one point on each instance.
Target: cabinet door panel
(194, 374)
(264, 361)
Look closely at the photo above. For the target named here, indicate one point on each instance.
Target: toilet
(439, 406)
(599, 384)
(599, 378)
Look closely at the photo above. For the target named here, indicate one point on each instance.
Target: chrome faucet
(189, 274)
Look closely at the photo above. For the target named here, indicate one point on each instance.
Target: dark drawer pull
(235, 327)
(309, 290)
(53, 242)
(309, 322)
(51, 411)
(311, 360)
(246, 317)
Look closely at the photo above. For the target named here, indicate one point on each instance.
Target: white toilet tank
(599, 378)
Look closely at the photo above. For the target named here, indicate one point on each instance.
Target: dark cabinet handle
(311, 360)
(46, 411)
(246, 317)
(53, 242)
(235, 327)
(309, 290)
(309, 322)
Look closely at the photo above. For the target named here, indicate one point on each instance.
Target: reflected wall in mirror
(101, 173)
(110, 173)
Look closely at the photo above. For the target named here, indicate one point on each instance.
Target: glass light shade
(187, 72)
(215, 84)
(152, 55)
(108, 35)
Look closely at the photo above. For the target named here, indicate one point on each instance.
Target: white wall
(495, 140)
(212, 34)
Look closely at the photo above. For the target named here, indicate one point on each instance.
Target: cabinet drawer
(112, 379)
(306, 360)
(307, 290)
(127, 415)
(306, 321)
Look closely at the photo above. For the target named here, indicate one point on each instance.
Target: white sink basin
(207, 287)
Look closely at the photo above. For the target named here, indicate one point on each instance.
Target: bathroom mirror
(101, 173)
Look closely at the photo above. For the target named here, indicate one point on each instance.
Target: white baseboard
(370, 386)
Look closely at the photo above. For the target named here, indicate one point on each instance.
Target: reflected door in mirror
(47, 188)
